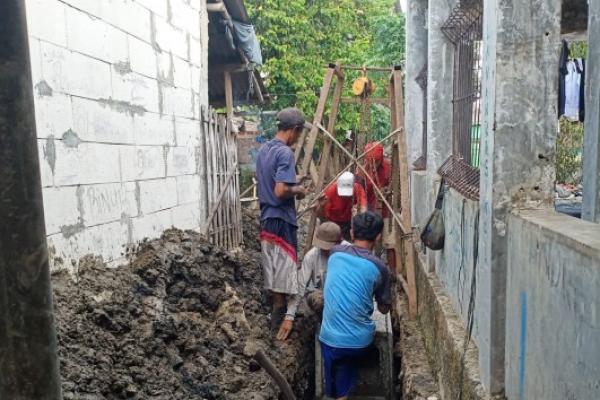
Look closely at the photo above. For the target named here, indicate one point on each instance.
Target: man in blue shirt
(277, 191)
(354, 277)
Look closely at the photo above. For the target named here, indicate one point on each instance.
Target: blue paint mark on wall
(523, 346)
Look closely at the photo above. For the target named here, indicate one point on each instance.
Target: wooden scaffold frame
(399, 206)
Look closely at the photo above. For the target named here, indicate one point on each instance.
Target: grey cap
(291, 117)
(327, 235)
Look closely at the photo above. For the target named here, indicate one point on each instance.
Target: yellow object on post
(363, 86)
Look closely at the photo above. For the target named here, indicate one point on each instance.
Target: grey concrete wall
(553, 298)
(416, 57)
(439, 98)
(444, 334)
(119, 85)
(591, 147)
(418, 192)
(520, 46)
(455, 263)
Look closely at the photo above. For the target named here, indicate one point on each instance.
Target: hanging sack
(434, 232)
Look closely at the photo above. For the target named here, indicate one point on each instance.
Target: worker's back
(354, 276)
(275, 163)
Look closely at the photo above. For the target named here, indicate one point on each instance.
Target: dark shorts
(287, 232)
(341, 369)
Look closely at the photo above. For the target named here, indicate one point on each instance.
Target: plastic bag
(434, 232)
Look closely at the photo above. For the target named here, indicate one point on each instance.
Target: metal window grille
(421, 162)
(464, 29)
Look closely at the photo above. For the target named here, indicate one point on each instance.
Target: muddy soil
(175, 324)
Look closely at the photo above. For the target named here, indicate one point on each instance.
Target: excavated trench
(177, 322)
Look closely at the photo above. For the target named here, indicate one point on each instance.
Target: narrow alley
(260, 199)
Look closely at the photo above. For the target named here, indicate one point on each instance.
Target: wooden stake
(318, 117)
(228, 95)
(325, 157)
(398, 112)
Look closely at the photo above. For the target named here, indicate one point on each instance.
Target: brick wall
(118, 89)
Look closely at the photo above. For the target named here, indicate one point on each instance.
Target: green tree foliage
(300, 37)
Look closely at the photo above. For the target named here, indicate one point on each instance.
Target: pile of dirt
(176, 323)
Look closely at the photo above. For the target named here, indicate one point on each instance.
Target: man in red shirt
(380, 170)
(339, 198)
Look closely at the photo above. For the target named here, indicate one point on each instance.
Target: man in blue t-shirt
(277, 190)
(354, 277)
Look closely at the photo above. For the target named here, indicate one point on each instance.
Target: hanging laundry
(562, 73)
(572, 90)
(581, 69)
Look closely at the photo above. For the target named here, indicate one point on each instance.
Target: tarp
(246, 38)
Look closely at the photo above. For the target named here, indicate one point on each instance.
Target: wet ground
(175, 324)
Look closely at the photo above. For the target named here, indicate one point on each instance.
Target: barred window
(464, 29)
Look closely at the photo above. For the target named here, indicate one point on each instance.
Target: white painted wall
(118, 90)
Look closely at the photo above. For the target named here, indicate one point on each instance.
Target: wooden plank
(217, 188)
(219, 198)
(203, 164)
(212, 167)
(318, 117)
(314, 173)
(373, 100)
(228, 96)
(405, 215)
(225, 162)
(325, 157)
(218, 172)
(231, 68)
(374, 69)
(220, 160)
(299, 145)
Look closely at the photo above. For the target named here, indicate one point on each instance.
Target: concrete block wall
(118, 89)
(455, 262)
(553, 298)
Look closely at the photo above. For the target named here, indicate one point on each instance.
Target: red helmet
(374, 152)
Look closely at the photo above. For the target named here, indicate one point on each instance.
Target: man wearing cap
(380, 170)
(354, 277)
(313, 269)
(339, 198)
(277, 191)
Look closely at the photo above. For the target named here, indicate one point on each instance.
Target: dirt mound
(174, 324)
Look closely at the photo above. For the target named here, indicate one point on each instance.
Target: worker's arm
(286, 191)
(287, 185)
(383, 291)
(305, 275)
(360, 197)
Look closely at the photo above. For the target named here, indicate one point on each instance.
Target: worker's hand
(285, 329)
(300, 192)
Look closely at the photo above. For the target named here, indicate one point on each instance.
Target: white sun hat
(345, 184)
